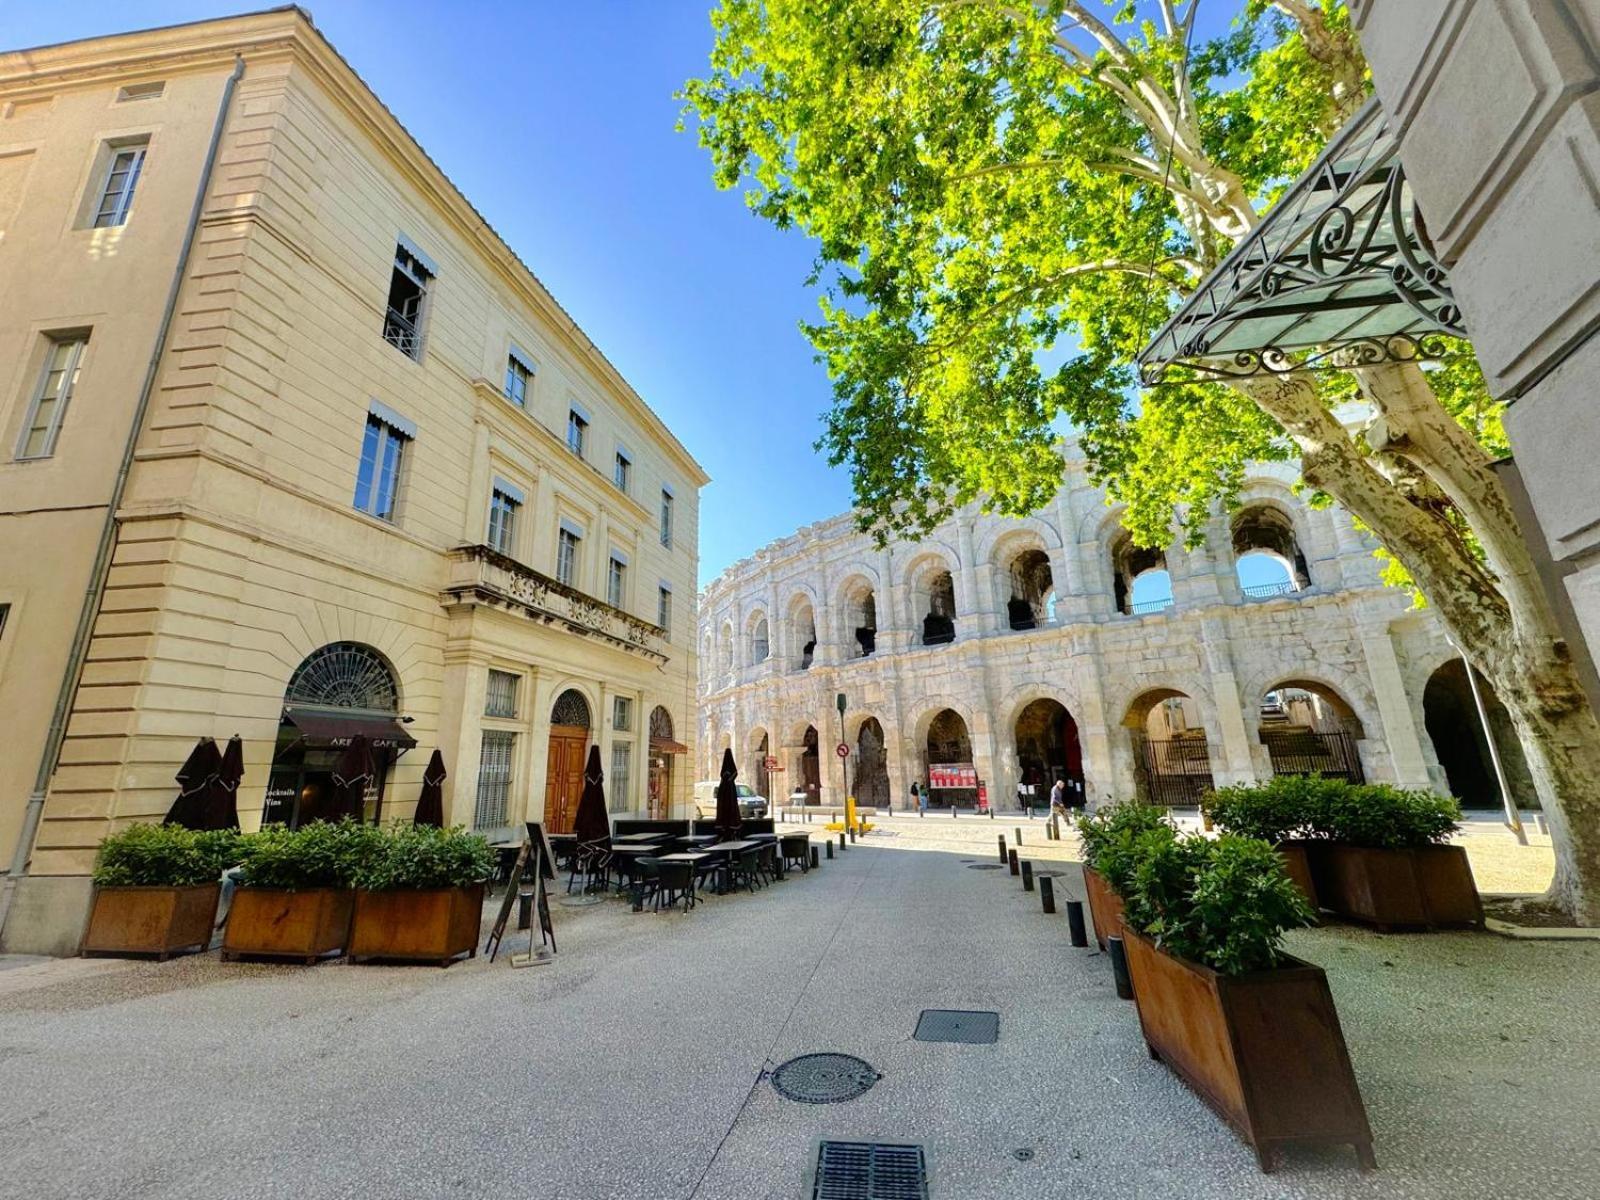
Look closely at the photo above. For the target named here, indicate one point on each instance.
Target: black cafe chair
(796, 851)
(674, 884)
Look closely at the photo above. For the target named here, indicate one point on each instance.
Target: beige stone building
(293, 446)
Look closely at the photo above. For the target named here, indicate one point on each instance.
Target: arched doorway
(1048, 750)
(569, 747)
(663, 749)
(1171, 757)
(1309, 729)
(871, 766)
(811, 766)
(1461, 746)
(951, 774)
(760, 774)
(341, 691)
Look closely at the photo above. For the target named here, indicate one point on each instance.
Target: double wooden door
(563, 786)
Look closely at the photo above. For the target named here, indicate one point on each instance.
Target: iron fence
(1310, 752)
(1175, 772)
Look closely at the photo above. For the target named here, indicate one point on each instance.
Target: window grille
(494, 779)
(621, 779)
(344, 675)
(500, 699)
(571, 710)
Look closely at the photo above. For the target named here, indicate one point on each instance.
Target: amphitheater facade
(1006, 653)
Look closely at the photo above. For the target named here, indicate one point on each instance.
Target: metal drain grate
(824, 1078)
(870, 1171)
(985, 867)
(952, 1025)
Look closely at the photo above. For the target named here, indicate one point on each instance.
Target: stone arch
(993, 546)
(1026, 579)
(1266, 526)
(931, 592)
(1460, 743)
(1171, 749)
(945, 738)
(758, 636)
(1309, 727)
(1045, 737)
(758, 745)
(870, 773)
(801, 619)
(1137, 577)
(725, 649)
(858, 607)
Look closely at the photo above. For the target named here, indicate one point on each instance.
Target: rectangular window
(378, 476)
(567, 557)
(616, 581)
(621, 714)
(622, 471)
(494, 780)
(502, 520)
(141, 91)
(621, 776)
(408, 299)
(577, 431)
(664, 609)
(517, 377)
(122, 177)
(500, 698)
(666, 518)
(48, 407)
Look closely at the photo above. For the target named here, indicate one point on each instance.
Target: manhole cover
(870, 1171)
(952, 1025)
(823, 1078)
(985, 867)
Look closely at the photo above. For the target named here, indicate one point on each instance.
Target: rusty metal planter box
(284, 923)
(430, 925)
(1422, 888)
(1296, 855)
(151, 920)
(1105, 906)
(1264, 1050)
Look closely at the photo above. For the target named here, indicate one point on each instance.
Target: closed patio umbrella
(350, 777)
(591, 824)
(223, 810)
(430, 804)
(195, 779)
(728, 798)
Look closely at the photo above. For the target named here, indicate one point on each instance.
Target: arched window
(939, 623)
(759, 647)
(1032, 601)
(1140, 580)
(804, 625)
(344, 675)
(725, 650)
(570, 710)
(1267, 556)
(861, 619)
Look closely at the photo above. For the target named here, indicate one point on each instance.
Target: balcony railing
(1264, 591)
(1150, 606)
(401, 333)
(482, 575)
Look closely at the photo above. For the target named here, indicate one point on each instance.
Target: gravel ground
(632, 1066)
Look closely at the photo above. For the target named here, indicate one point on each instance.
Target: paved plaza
(633, 1065)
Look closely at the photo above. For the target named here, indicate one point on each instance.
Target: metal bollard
(829, 845)
(1047, 893)
(991, 812)
(1018, 832)
(842, 846)
(1027, 875)
(852, 833)
(952, 812)
(1075, 929)
(1119, 967)
(1016, 867)
(816, 860)
(1002, 840)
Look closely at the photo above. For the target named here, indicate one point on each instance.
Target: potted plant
(296, 890)
(156, 890)
(419, 895)
(1381, 857)
(1107, 837)
(1250, 1028)
(1279, 812)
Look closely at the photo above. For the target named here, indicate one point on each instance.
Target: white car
(751, 803)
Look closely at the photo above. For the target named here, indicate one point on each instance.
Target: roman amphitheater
(1008, 653)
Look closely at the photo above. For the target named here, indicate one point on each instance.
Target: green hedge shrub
(318, 855)
(1375, 815)
(1224, 903)
(1108, 837)
(421, 856)
(164, 856)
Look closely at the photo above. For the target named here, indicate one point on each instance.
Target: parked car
(751, 804)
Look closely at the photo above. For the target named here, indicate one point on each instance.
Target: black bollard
(1016, 867)
(842, 846)
(815, 860)
(1075, 929)
(1002, 840)
(830, 848)
(991, 812)
(1027, 875)
(1119, 967)
(952, 812)
(1018, 832)
(852, 833)
(1047, 893)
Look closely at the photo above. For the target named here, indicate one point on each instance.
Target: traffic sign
(842, 750)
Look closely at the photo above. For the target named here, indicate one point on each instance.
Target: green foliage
(1376, 815)
(164, 856)
(1109, 837)
(1224, 903)
(320, 854)
(421, 856)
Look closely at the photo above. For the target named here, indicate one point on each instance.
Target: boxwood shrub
(148, 855)
(1374, 815)
(421, 856)
(1108, 837)
(317, 855)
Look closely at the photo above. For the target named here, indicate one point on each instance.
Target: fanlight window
(660, 723)
(345, 675)
(571, 710)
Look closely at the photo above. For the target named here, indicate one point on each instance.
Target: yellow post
(849, 812)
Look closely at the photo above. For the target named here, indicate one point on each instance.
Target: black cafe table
(725, 851)
(639, 839)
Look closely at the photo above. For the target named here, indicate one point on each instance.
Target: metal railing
(1263, 591)
(1310, 752)
(1175, 772)
(401, 333)
(1150, 606)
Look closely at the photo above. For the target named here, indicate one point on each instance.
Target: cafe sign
(952, 775)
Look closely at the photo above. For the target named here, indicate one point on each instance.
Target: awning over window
(662, 745)
(1338, 273)
(335, 729)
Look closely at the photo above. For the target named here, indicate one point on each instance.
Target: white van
(705, 800)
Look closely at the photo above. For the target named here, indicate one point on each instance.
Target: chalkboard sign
(535, 850)
(547, 859)
(513, 883)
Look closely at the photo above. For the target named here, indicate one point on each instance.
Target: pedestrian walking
(919, 797)
(1058, 798)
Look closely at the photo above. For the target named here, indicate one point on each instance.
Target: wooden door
(564, 777)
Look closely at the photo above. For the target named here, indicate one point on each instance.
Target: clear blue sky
(556, 120)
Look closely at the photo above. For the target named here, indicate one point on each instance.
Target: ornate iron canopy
(1339, 273)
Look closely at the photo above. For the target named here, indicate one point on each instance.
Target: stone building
(293, 446)
(1011, 652)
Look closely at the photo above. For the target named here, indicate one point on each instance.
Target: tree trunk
(1515, 644)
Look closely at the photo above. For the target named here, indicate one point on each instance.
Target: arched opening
(1140, 581)
(871, 766)
(861, 620)
(1461, 745)
(725, 649)
(951, 774)
(810, 766)
(568, 751)
(342, 692)
(708, 662)
(1032, 601)
(1171, 757)
(760, 642)
(760, 775)
(1308, 729)
(804, 625)
(934, 594)
(1267, 556)
(664, 747)
(1047, 750)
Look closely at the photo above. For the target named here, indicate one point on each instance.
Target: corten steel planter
(282, 923)
(1423, 888)
(1264, 1050)
(151, 920)
(1105, 906)
(1296, 856)
(428, 925)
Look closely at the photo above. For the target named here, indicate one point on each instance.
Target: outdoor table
(697, 839)
(639, 838)
(726, 851)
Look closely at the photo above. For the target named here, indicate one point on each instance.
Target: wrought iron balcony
(401, 333)
(1264, 591)
(482, 575)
